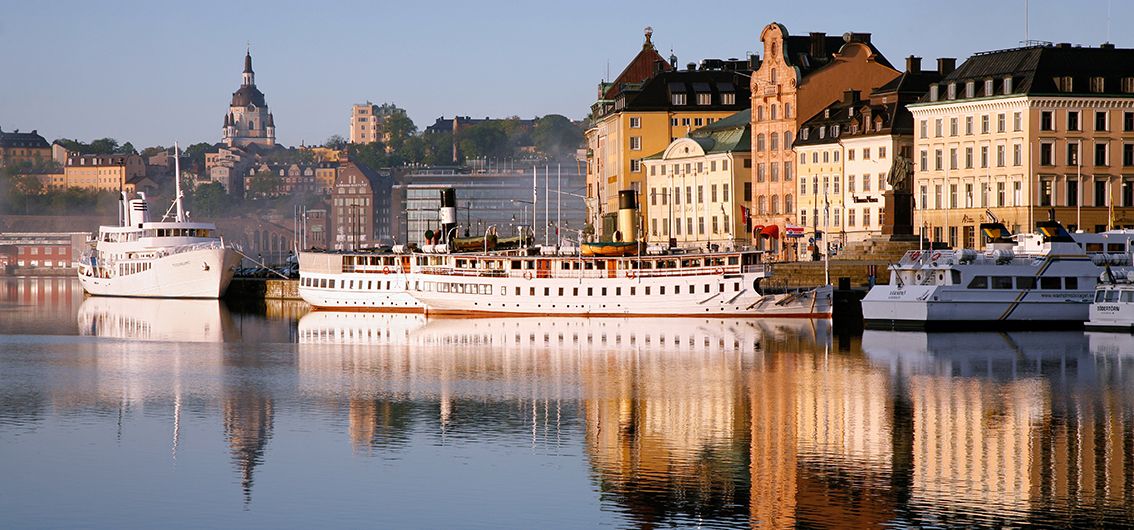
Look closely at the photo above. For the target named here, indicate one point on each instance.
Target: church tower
(248, 120)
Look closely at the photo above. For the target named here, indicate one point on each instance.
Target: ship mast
(177, 183)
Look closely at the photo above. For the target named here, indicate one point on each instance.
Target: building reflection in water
(35, 305)
(248, 413)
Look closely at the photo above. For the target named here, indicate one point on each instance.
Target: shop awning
(772, 231)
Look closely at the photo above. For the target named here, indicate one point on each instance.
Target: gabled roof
(656, 93)
(798, 50)
(640, 68)
(732, 134)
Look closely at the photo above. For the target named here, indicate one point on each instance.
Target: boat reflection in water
(158, 319)
(1026, 425)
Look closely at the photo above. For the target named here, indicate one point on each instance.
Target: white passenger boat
(704, 284)
(1027, 280)
(1113, 306)
(163, 259)
(356, 281)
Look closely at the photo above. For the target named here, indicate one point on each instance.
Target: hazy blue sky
(153, 72)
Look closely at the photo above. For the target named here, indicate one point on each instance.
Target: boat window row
(1110, 247)
(178, 232)
(1024, 282)
(584, 263)
(119, 237)
(350, 285)
(376, 261)
(634, 290)
(126, 269)
(1114, 295)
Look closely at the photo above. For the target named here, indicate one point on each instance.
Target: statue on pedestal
(897, 222)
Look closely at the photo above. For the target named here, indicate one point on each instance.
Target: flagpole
(1079, 185)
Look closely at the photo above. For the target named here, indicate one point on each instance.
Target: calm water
(128, 413)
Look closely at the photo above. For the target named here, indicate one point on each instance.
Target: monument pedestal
(897, 219)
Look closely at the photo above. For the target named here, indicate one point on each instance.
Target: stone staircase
(854, 261)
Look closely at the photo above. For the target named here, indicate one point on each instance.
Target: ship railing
(591, 273)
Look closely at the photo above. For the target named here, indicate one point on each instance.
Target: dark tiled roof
(798, 50)
(19, 139)
(248, 94)
(655, 93)
(1034, 71)
(640, 68)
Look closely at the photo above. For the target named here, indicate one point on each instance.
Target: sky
(152, 73)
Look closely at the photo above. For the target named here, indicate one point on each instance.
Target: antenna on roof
(1108, 5)
(1027, 38)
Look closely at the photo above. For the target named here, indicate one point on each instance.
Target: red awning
(772, 231)
(756, 230)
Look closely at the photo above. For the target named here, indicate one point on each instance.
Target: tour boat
(1028, 280)
(356, 280)
(1113, 306)
(163, 259)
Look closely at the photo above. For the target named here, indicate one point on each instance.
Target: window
(635, 122)
(850, 184)
(728, 98)
(1000, 122)
(774, 142)
(1025, 282)
(1000, 195)
(924, 162)
(1072, 192)
(760, 143)
(866, 153)
(787, 171)
(837, 189)
(968, 125)
(984, 156)
(953, 158)
(882, 152)
(924, 129)
(968, 158)
(1049, 282)
(1128, 154)
(697, 122)
(1100, 192)
(1001, 282)
(1017, 154)
(1098, 84)
(937, 160)
(1000, 156)
(1045, 192)
(1128, 120)
(635, 165)
(952, 126)
(851, 217)
(1100, 154)
(1101, 120)
(937, 128)
(979, 282)
(677, 99)
(635, 143)
(1072, 153)
(1072, 121)
(705, 98)
(1017, 122)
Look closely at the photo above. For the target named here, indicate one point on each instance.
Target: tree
(486, 139)
(372, 154)
(397, 127)
(104, 146)
(335, 142)
(264, 184)
(195, 156)
(153, 151)
(210, 200)
(126, 149)
(556, 136)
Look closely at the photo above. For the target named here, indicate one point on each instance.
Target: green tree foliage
(101, 146)
(153, 151)
(372, 154)
(335, 142)
(556, 136)
(397, 128)
(194, 156)
(486, 139)
(126, 149)
(210, 200)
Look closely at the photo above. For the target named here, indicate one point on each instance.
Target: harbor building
(360, 205)
(846, 152)
(648, 106)
(1020, 131)
(695, 189)
(799, 77)
(248, 120)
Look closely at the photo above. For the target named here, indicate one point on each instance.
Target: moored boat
(1113, 305)
(359, 280)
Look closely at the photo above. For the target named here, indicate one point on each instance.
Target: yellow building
(102, 172)
(1017, 141)
(694, 189)
(648, 106)
(820, 160)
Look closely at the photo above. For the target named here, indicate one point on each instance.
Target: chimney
(1107, 46)
(857, 37)
(851, 97)
(1063, 45)
(946, 65)
(818, 44)
(691, 66)
(754, 62)
(913, 64)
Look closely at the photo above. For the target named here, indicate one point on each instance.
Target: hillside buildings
(19, 148)
(102, 172)
(649, 105)
(366, 121)
(1018, 132)
(248, 120)
(799, 77)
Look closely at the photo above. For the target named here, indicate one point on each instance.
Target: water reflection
(157, 319)
(37, 305)
(666, 422)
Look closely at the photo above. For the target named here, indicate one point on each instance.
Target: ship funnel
(627, 216)
(448, 212)
(138, 211)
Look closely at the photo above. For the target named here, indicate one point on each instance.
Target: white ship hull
(916, 306)
(199, 273)
(358, 292)
(673, 296)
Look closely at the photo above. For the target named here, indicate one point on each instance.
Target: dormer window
(1098, 85)
(822, 132)
(1008, 85)
(804, 133)
(1063, 83)
(989, 88)
(826, 113)
(834, 131)
(1128, 85)
(934, 92)
(951, 91)
(970, 89)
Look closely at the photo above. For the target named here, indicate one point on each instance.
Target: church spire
(249, 75)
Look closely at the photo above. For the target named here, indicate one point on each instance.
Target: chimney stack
(946, 65)
(818, 44)
(913, 64)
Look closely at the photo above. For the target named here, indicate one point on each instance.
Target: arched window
(760, 113)
(787, 110)
(772, 111)
(787, 136)
(760, 143)
(775, 204)
(251, 125)
(772, 78)
(762, 205)
(789, 205)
